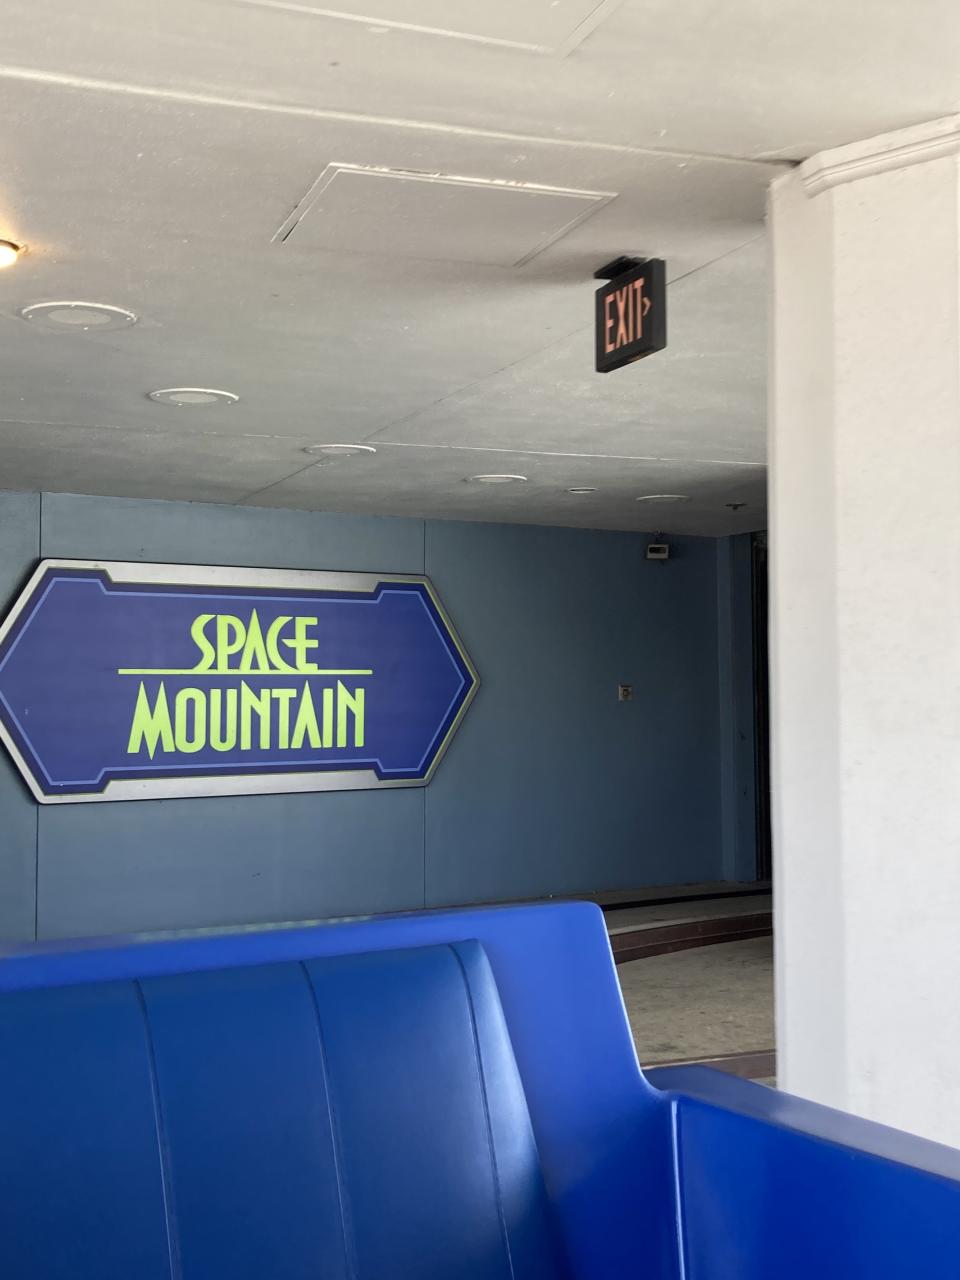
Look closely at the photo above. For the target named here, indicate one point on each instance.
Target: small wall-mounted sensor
(658, 551)
(624, 692)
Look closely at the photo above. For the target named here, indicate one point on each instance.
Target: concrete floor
(701, 1003)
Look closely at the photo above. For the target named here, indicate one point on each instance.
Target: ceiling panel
(703, 397)
(352, 208)
(151, 152)
(168, 211)
(745, 78)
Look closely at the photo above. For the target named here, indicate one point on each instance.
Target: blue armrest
(769, 1185)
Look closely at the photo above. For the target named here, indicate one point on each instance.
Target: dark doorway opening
(761, 705)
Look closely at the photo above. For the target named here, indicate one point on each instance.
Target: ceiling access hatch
(440, 217)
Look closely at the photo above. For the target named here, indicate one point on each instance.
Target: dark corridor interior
(761, 704)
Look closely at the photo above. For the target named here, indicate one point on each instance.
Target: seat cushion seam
(478, 1060)
(166, 1178)
(335, 1139)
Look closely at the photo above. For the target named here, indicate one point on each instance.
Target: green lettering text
(151, 725)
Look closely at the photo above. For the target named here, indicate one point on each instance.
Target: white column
(865, 627)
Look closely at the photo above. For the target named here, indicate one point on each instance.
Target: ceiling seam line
(405, 444)
(459, 391)
(255, 493)
(728, 253)
(94, 85)
(391, 444)
(144, 431)
(558, 453)
(392, 24)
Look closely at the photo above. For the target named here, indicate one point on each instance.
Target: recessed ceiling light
(582, 488)
(663, 497)
(495, 477)
(340, 450)
(78, 315)
(9, 253)
(192, 397)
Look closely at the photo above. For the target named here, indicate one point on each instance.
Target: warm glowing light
(9, 253)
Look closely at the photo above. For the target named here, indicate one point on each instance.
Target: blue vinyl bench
(440, 1096)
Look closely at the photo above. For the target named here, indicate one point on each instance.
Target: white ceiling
(378, 221)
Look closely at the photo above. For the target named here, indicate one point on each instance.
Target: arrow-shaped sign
(133, 681)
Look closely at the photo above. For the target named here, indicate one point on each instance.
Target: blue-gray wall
(551, 785)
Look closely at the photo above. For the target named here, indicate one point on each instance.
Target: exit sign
(631, 311)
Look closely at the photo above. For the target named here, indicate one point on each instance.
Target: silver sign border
(198, 575)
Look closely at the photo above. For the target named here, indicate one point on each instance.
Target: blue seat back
(440, 1095)
(356, 1116)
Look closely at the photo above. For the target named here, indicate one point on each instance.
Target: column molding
(898, 150)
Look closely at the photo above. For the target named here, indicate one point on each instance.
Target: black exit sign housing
(631, 313)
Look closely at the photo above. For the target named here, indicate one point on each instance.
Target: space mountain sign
(126, 681)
